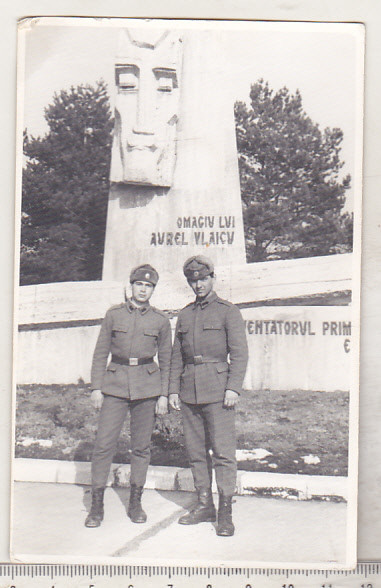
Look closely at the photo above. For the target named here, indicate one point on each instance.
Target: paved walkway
(48, 526)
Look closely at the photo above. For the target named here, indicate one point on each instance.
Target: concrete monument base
(59, 323)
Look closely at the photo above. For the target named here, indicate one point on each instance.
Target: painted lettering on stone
(336, 328)
(195, 231)
(300, 328)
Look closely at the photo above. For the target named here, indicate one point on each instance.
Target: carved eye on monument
(166, 79)
(127, 78)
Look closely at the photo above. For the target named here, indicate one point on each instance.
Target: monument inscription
(281, 327)
(222, 232)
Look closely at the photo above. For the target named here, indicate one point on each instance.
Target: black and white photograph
(187, 292)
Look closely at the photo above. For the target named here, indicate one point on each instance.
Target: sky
(323, 61)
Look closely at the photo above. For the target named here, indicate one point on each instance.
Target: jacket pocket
(151, 332)
(222, 370)
(222, 367)
(152, 368)
(183, 334)
(212, 326)
(115, 380)
(119, 330)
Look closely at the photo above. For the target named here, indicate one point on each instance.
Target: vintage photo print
(187, 292)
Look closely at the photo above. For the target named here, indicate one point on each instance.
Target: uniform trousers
(112, 416)
(211, 426)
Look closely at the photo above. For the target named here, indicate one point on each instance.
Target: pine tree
(65, 189)
(289, 172)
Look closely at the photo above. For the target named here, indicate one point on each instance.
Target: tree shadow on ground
(184, 499)
(122, 493)
(180, 498)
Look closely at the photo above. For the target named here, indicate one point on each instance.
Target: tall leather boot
(203, 511)
(225, 527)
(95, 516)
(135, 511)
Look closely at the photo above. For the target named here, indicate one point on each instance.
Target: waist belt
(131, 360)
(199, 359)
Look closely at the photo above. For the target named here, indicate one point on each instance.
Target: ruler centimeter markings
(366, 575)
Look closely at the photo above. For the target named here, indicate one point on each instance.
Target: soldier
(208, 332)
(133, 332)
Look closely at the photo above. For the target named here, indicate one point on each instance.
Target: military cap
(145, 273)
(197, 267)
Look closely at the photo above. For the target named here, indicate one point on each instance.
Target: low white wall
(241, 284)
(55, 356)
(59, 324)
(299, 347)
(66, 301)
(305, 348)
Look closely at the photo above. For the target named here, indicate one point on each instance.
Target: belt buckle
(133, 361)
(197, 359)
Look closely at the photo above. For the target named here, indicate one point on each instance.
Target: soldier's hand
(96, 399)
(161, 405)
(231, 398)
(174, 401)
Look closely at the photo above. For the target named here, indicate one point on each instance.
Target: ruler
(366, 575)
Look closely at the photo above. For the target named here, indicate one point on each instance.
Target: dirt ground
(289, 425)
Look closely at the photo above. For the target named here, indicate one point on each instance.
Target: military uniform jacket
(130, 332)
(213, 329)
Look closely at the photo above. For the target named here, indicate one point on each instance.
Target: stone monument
(147, 74)
(174, 171)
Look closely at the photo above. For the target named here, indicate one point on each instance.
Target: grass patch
(287, 424)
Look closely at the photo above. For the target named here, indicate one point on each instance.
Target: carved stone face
(147, 83)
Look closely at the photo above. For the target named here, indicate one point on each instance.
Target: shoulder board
(115, 306)
(161, 312)
(225, 302)
(185, 307)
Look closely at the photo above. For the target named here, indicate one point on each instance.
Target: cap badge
(195, 274)
(147, 275)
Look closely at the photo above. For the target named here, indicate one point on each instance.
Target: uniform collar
(131, 307)
(202, 302)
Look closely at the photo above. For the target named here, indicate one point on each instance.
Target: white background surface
(367, 11)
